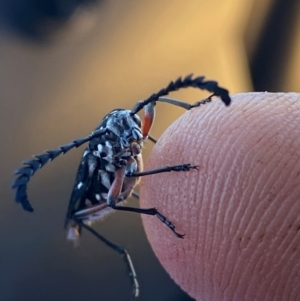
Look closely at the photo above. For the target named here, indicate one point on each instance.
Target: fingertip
(240, 211)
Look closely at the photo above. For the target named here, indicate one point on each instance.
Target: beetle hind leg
(121, 250)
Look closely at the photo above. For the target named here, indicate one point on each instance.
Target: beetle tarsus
(169, 224)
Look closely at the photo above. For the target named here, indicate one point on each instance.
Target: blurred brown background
(63, 66)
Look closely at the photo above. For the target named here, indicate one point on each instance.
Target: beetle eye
(137, 120)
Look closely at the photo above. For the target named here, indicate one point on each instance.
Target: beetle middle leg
(150, 211)
(161, 217)
(115, 191)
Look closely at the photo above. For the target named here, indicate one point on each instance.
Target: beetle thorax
(123, 137)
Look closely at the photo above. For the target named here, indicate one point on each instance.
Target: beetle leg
(116, 187)
(119, 249)
(152, 139)
(168, 168)
(115, 191)
(150, 211)
(135, 194)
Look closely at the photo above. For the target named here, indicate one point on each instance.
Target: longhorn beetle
(111, 165)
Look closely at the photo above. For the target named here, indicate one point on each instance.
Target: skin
(241, 211)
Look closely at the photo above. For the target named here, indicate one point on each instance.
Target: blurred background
(63, 66)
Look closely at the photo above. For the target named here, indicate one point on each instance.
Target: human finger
(241, 210)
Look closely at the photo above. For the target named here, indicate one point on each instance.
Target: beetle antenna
(188, 81)
(32, 165)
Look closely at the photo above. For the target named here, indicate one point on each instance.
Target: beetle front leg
(116, 187)
(168, 168)
(152, 139)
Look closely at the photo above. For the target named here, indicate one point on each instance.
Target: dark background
(63, 66)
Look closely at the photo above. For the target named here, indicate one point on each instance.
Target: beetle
(111, 165)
